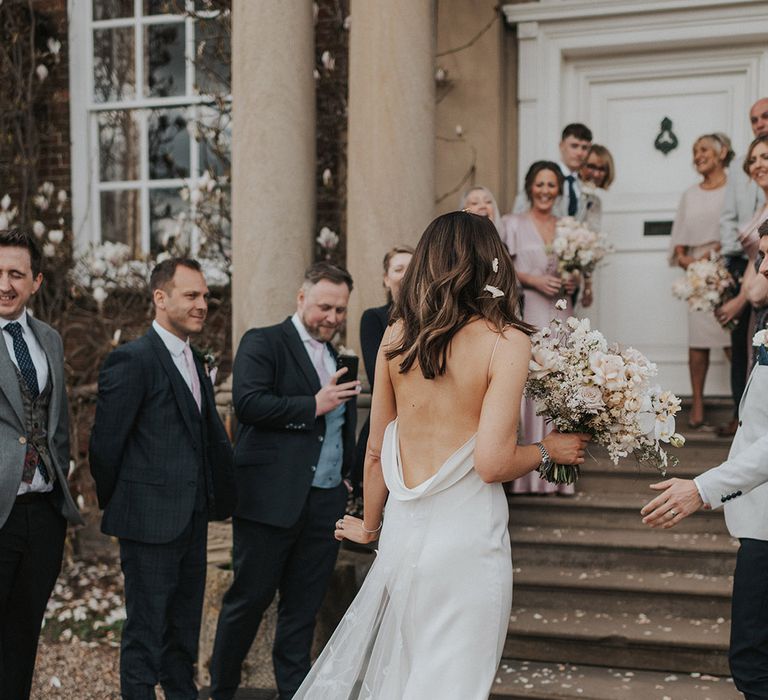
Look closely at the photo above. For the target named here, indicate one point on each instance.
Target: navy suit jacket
(279, 437)
(150, 445)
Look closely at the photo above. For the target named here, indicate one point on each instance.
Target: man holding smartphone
(295, 444)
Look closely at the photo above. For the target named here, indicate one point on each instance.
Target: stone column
(391, 152)
(273, 157)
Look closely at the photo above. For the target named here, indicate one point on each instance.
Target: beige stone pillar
(273, 157)
(391, 153)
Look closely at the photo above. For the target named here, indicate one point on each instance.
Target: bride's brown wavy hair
(444, 288)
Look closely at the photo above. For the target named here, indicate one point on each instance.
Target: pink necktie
(194, 379)
(318, 360)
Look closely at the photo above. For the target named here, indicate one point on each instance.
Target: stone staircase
(606, 608)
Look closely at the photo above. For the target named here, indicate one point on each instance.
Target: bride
(431, 617)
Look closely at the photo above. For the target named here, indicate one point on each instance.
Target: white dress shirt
(306, 338)
(40, 362)
(176, 347)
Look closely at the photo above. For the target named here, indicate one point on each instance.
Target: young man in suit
(574, 147)
(740, 484)
(35, 503)
(294, 445)
(163, 467)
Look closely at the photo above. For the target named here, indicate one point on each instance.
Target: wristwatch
(546, 460)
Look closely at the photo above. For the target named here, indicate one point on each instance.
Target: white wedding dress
(431, 617)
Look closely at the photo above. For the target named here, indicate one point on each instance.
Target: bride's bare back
(437, 416)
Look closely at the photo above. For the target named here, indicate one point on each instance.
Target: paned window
(140, 95)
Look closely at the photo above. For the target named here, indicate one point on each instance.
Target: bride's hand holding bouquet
(583, 385)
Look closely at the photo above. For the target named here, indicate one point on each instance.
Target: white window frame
(84, 110)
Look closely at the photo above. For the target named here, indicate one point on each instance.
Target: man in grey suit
(740, 484)
(35, 503)
(742, 199)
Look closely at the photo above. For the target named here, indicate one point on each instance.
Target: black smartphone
(352, 363)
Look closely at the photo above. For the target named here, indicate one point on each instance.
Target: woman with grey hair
(480, 200)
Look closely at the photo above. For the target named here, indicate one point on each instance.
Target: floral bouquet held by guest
(577, 248)
(706, 286)
(583, 385)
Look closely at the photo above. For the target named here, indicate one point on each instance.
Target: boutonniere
(208, 360)
(760, 338)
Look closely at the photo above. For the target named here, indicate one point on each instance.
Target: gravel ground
(76, 671)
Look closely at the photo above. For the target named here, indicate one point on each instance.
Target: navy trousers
(298, 562)
(31, 547)
(749, 626)
(164, 589)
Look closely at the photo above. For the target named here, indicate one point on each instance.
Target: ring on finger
(339, 524)
(674, 513)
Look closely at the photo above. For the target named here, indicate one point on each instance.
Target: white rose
(760, 338)
(590, 398)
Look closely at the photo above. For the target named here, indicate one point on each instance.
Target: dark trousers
(749, 626)
(740, 342)
(164, 588)
(31, 547)
(298, 562)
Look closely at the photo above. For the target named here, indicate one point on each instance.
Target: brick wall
(55, 159)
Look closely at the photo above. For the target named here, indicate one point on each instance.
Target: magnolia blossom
(4, 223)
(54, 46)
(328, 240)
(56, 236)
(49, 250)
(5, 202)
(41, 72)
(38, 228)
(328, 61)
(100, 295)
(327, 177)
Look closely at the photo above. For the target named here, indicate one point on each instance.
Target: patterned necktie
(23, 358)
(318, 360)
(193, 378)
(573, 203)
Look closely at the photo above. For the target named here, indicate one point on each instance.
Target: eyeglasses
(596, 168)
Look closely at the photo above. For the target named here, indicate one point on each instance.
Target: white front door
(622, 79)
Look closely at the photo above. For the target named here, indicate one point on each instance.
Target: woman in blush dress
(431, 617)
(528, 237)
(695, 236)
(480, 200)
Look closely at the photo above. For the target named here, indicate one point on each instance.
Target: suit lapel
(9, 382)
(296, 347)
(178, 385)
(55, 371)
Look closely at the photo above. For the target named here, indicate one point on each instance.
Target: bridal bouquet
(584, 385)
(578, 248)
(706, 285)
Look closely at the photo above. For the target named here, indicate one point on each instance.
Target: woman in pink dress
(528, 237)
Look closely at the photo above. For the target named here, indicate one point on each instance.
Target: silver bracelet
(371, 532)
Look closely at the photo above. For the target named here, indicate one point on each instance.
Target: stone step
(662, 642)
(532, 680)
(626, 550)
(662, 592)
(602, 510)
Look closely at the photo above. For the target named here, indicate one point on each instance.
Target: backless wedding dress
(431, 617)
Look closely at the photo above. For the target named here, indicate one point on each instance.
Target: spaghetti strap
(490, 362)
